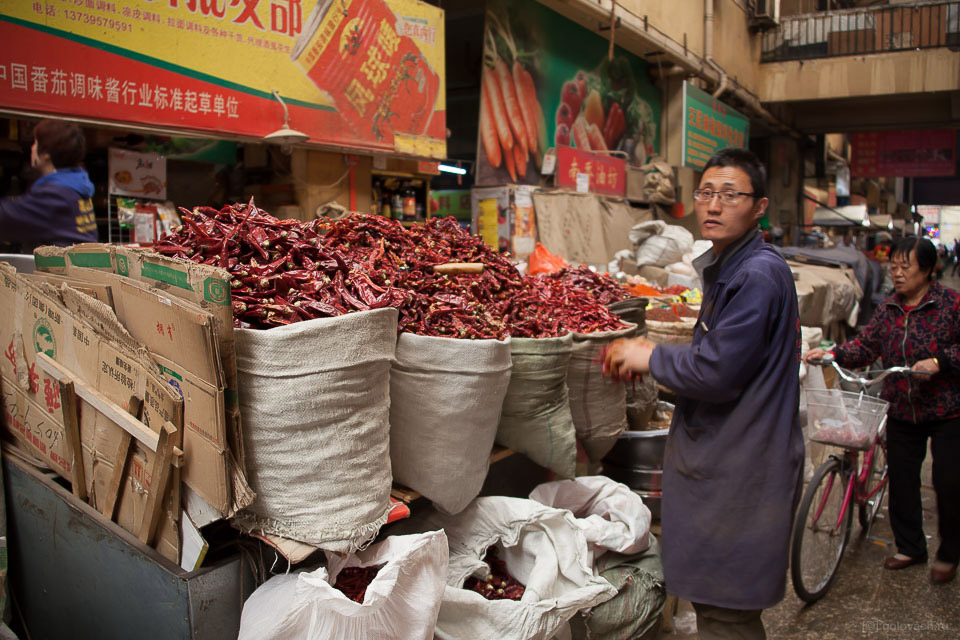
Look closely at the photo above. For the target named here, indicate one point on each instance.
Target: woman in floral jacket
(919, 327)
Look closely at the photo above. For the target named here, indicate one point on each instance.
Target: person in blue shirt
(733, 465)
(57, 209)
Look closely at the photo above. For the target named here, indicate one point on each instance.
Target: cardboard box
(504, 217)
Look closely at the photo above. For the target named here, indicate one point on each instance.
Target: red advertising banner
(904, 154)
(604, 174)
(358, 74)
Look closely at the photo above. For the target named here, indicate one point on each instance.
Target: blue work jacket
(734, 455)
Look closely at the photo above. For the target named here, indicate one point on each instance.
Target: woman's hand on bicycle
(814, 354)
(930, 365)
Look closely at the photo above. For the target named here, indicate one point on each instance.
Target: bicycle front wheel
(876, 477)
(818, 538)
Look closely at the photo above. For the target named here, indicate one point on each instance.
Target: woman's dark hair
(926, 253)
(64, 142)
(745, 160)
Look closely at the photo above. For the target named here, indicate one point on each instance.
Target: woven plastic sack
(612, 517)
(401, 603)
(667, 247)
(315, 402)
(536, 419)
(635, 612)
(445, 401)
(599, 408)
(542, 547)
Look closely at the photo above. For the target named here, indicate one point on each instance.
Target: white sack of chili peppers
(445, 401)
(543, 548)
(536, 419)
(598, 406)
(315, 400)
(400, 603)
(613, 517)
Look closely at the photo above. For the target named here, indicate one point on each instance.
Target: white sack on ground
(445, 401)
(401, 603)
(536, 419)
(315, 401)
(611, 516)
(598, 406)
(543, 548)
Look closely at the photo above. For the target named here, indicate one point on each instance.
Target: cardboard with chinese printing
(84, 336)
(207, 464)
(187, 290)
(93, 289)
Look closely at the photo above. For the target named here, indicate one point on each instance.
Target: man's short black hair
(64, 142)
(745, 160)
(926, 253)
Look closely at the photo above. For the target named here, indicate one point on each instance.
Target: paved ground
(865, 601)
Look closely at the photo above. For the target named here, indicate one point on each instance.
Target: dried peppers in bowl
(285, 271)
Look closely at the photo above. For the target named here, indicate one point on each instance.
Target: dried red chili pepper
(499, 584)
(328, 268)
(353, 581)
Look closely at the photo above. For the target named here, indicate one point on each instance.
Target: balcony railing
(860, 31)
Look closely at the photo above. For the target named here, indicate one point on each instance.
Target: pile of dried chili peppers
(353, 581)
(603, 288)
(285, 271)
(499, 584)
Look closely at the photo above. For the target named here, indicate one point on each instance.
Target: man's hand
(814, 354)
(628, 355)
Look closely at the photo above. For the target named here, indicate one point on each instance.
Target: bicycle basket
(844, 418)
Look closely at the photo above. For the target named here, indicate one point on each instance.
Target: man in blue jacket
(57, 209)
(734, 458)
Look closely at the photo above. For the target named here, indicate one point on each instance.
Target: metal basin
(652, 499)
(634, 477)
(640, 449)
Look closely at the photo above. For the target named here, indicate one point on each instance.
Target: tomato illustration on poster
(548, 82)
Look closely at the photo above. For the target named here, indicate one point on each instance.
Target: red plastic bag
(542, 261)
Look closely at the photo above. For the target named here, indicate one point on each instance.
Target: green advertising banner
(548, 82)
(708, 126)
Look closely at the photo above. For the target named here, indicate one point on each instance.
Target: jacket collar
(712, 268)
(934, 294)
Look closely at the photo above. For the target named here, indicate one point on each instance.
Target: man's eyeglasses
(727, 197)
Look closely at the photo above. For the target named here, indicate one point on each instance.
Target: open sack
(401, 603)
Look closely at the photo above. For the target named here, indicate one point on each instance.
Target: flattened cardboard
(84, 336)
(206, 467)
(204, 285)
(41, 432)
(95, 290)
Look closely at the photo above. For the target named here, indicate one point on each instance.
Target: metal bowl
(639, 449)
(652, 499)
(634, 477)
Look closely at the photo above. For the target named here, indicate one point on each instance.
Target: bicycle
(854, 421)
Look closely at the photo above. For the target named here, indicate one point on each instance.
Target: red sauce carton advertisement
(358, 53)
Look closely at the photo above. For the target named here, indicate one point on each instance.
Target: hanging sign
(905, 154)
(140, 175)
(583, 171)
(363, 74)
(709, 126)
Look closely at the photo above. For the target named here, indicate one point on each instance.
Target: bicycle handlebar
(876, 374)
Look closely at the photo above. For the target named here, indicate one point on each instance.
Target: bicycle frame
(855, 488)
